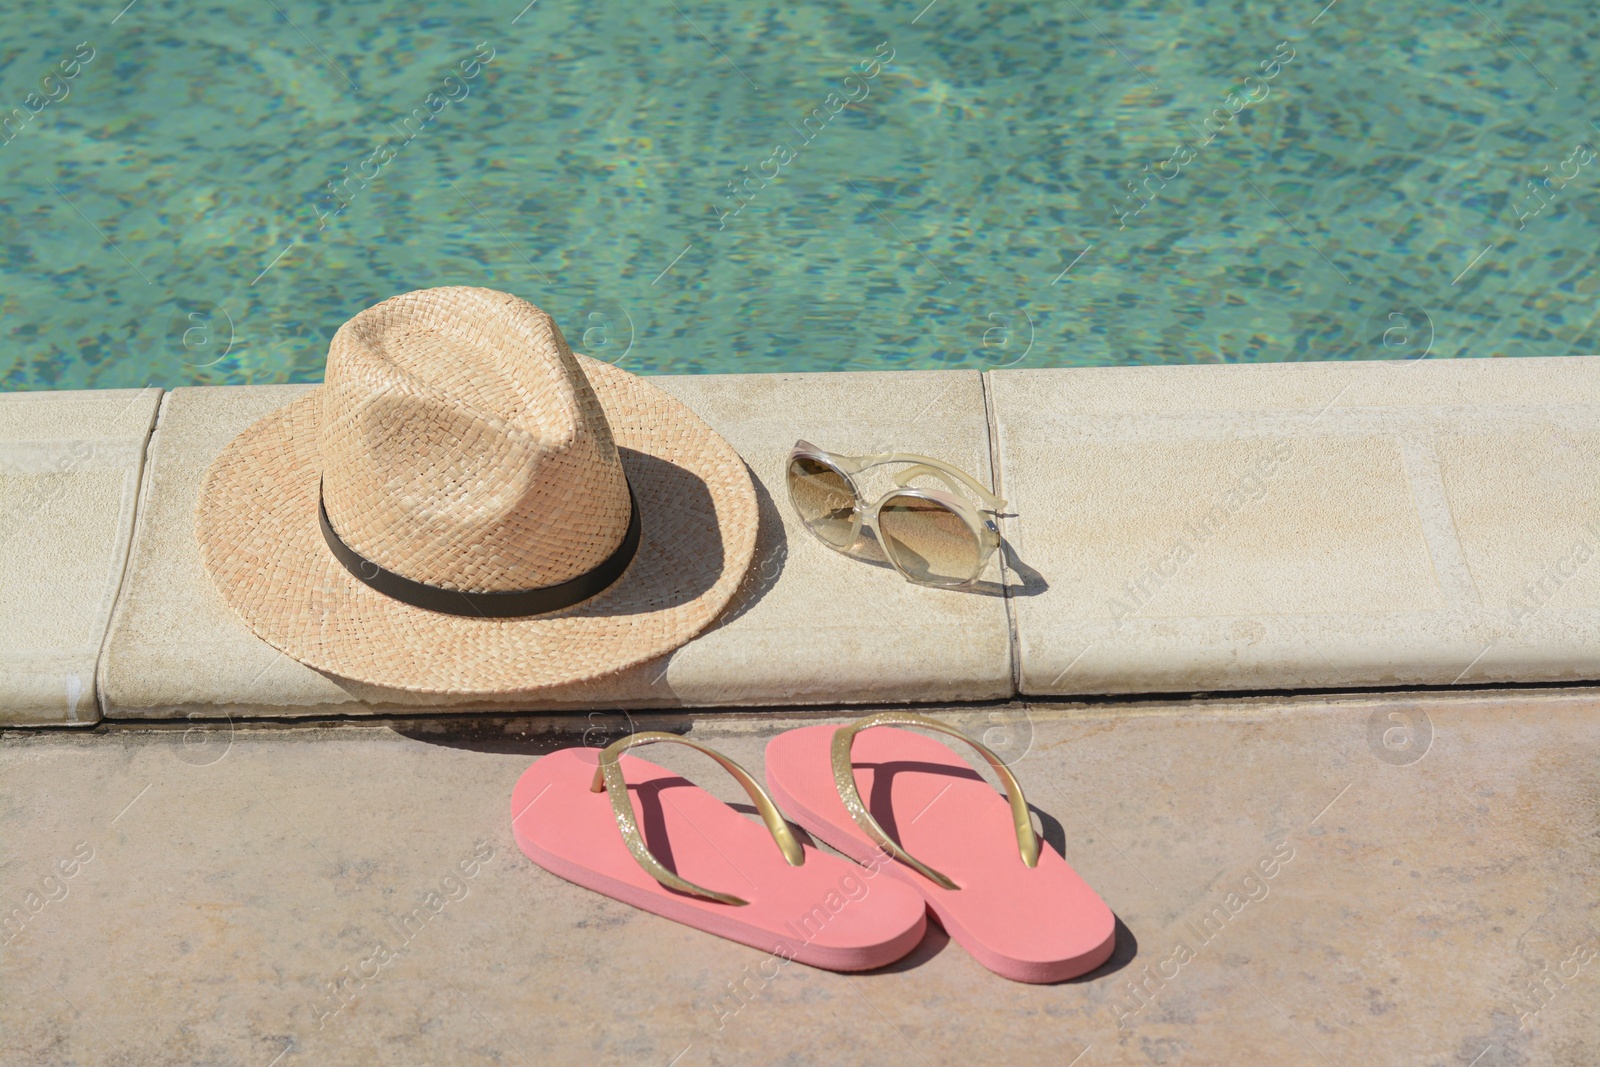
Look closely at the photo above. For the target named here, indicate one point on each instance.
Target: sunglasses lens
(928, 541)
(823, 499)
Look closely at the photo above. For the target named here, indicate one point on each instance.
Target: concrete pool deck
(1252, 527)
(183, 881)
(1435, 898)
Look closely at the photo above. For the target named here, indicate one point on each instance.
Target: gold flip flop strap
(608, 776)
(845, 779)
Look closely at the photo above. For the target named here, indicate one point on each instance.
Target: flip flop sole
(827, 913)
(1041, 924)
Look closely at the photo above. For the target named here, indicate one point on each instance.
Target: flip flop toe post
(643, 835)
(906, 804)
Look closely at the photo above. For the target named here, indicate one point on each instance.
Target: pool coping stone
(807, 627)
(1304, 525)
(1254, 527)
(71, 465)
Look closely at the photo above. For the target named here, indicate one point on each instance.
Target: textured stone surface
(809, 626)
(1281, 526)
(69, 482)
(1433, 902)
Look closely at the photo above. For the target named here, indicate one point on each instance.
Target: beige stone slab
(1526, 503)
(1278, 526)
(1538, 383)
(1431, 898)
(69, 481)
(809, 625)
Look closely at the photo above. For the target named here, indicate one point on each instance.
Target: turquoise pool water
(726, 186)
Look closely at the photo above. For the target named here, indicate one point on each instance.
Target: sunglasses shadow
(867, 550)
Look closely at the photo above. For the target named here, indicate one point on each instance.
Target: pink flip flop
(768, 891)
(883, 797)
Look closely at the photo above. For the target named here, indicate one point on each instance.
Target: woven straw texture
(463, 447)
(462, 444)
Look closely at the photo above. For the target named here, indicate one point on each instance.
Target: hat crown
(464, 447)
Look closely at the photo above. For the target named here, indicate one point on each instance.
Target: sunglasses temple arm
(926, 465)
(911, 474)
(943, 471)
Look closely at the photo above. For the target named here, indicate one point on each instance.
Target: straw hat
(496, 514)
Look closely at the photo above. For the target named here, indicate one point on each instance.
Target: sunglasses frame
(985, 532)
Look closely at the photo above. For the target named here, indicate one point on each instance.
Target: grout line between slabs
(120, 587)
(997, 483)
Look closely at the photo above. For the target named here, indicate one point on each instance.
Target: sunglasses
(930, 537)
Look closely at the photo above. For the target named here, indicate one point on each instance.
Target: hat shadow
(681, 513)
(691, 515)
(766, 566)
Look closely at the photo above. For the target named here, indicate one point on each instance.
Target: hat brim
(256, 521)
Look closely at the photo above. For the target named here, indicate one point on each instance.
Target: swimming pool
(201, 196)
